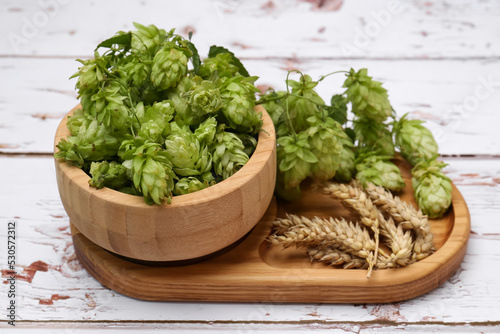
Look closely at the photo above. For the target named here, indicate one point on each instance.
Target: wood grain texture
(192, 226)
(254, 327)
(431, 57)
(44, 236)
(254, 271)
(266, 28)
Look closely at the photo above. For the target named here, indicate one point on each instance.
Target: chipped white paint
(62, 290)
(438, 59)
(38, 94)
(264, 28)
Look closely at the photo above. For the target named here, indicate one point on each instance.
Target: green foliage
(152, 126)
(432, 188)
(415, 141)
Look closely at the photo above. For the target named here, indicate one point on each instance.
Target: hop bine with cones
(157, 121)
(319, 142)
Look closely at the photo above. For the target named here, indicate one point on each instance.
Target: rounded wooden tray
(255, 271)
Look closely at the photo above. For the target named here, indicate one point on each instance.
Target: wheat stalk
(334, 233)
(301, 231)
(335, 257)
(339, 242)
(358, 201)
(407, 216)
(403, 212)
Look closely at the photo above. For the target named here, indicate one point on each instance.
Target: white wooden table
(440, 61)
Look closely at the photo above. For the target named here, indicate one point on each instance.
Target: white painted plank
(243, 328)
(459, 99)
(29, 194)
(263, 28)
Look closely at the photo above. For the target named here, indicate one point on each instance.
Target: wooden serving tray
(255, 271)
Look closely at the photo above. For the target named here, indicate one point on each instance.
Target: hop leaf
(367, 96)
(415, 141)
(338, 108)
(432, 188)
(380, 171)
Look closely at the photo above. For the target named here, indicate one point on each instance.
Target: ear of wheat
(406, 216)
(338, 242)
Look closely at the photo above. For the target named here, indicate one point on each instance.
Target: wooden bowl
(192, 226)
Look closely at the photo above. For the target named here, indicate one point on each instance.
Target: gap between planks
(257, 322)
(300, 58)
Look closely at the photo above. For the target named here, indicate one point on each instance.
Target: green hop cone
(221, 63)
(188, 156)
(152, 122)
(415, 141)
(380, 171)
(190, 184)
(75, 122)
(239, 102)
(367, 96)
(92, 74)
(108, 106)
(137, 71)
(295, 159)
(93, 143)
(374, 135)
(108, 174)
(147, 38)
(302, 102)
(184, 114)
(204, 99)
(273, 102)
(228, 153)
(151, 172)
(324, 138)
(432, 188)
(205, 132)
(169, 66)
(249, 142)
(347, 168)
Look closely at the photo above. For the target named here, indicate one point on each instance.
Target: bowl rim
(266, 144)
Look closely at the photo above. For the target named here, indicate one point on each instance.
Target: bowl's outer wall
(191, 226)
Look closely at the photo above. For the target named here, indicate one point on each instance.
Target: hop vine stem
(332, 73)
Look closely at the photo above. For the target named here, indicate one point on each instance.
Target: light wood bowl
(192, 226)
